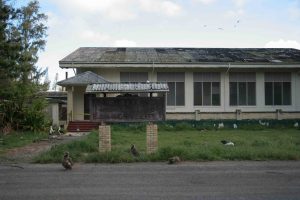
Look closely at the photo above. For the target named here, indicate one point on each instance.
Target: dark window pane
(171, 94)
(251, 93)
(207, 93)
(215, 93)
(277, 93)
(197, 93)
(287, 93)
(242, 93)
(268, 93)
(233, 93)
(179, 93)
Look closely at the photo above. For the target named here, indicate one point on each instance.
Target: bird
(67, 161)
(221, 125)
(235, 126)
(174, 160)
(205, 26)
(51, 131)
(227, 143)
(134, 151)
(221, 29)
(60, 131)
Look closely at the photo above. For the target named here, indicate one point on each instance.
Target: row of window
(207, 91)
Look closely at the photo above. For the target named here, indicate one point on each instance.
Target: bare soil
(26, 153)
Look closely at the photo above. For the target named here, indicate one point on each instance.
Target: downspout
(152, 73)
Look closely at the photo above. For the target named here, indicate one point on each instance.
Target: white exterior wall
(78, 107)
(113, 74)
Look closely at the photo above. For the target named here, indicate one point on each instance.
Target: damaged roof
(109, 55)
(127, 87)
(83, 79)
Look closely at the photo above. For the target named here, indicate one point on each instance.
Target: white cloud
(125, 43)
(239, 3)
(89, 36)
(235, 13)
(118, 10)
(283, 44)
(168, 8)
(206, 1)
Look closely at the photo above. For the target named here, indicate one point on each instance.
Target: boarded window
(175, 80)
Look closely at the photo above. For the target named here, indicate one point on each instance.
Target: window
(133, 76)
(175, 80)
(242, 88)
(206, 89)
(278, 89)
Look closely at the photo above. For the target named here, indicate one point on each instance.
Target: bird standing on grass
(134, 151)
(174, 160)
(67, 161)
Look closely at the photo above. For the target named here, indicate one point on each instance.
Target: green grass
(18, 139)
(187, 143)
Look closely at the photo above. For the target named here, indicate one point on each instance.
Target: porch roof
(83, 79)
(127, 87)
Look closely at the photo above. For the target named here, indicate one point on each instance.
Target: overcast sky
(166, 23)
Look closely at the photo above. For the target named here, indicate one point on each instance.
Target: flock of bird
(221, 28)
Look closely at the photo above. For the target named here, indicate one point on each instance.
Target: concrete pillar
(55, 114)
(104, 139)
(70, 104)
(238, 114)
(197, 115)
(278, 114)
(152, 138)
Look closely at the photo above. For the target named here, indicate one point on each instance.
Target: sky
(166, 23)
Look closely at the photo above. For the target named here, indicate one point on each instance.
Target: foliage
(22, 36)
(194, 145)
(18, 139)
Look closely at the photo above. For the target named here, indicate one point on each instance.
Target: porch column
(70, 98)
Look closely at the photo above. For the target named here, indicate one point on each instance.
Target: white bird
(234, 126)
(221, 125)
(296, 125)
(227, 143)
(60, 131)
(51, 131)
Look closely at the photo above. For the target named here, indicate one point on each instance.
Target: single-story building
(57, 107)
(197, 83)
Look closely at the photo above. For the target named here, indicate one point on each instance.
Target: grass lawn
(18, 139)
(193, 145)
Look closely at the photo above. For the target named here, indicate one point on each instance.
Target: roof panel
(85, 78)
(127, 87)
(181, 55)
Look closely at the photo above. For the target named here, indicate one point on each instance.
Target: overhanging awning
(127, 88)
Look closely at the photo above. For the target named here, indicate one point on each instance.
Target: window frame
(176, 78)
(211, 93)
(281, 93)
(237, 80)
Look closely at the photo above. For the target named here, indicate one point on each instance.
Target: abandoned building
(138, 84)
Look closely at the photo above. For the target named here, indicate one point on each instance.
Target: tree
(54, 86)
(22, 36)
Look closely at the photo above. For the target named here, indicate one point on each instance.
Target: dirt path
(26, 153)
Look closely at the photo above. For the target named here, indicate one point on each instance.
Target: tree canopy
(22, 37)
